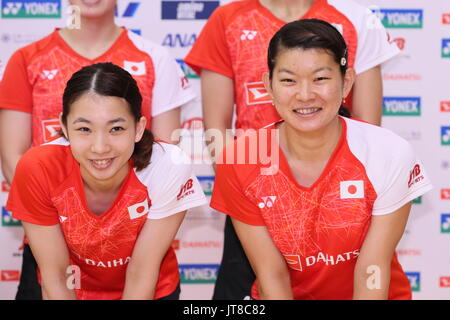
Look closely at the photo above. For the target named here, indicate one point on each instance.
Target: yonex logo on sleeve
(267, 202)
(62, 219)
(248, 35)
(138, 210)
(352, 189)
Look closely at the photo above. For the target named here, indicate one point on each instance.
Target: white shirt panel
(167, 179)
(168, 92)
(389, 161)
(373, 45)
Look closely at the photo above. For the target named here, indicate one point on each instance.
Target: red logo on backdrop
(5, 186)
(400, 42)
(445, 106)
(50, 129)
(193, 124)
(444, 282)
(446, 18)
(256, 93)
(176, 244)
(445, 194)
(415, 176)
(185, 190)
(10, 275)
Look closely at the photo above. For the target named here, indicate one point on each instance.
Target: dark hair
(310, 34)
(109, 80)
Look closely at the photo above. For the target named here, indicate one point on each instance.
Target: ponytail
(344, 112)
(143, 150)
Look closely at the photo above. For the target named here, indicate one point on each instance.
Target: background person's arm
(165, 124)
(51, 253)
(373, 268)
(266, 260)
(151, 246)
(218, 105)
(15, 139)
(368, 96)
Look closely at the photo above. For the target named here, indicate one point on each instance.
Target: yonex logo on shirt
(267, 202)
(49, 74)
(62, 219)
(352, 189)
(248, 35)
(138, 210)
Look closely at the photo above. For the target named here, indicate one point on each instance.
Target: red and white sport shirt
(236, 37)
(36, 75)
(320, 229)
(48, 190)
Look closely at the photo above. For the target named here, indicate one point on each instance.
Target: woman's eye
(321, 78)
(117, 129)
(83, 129)
(287, 80)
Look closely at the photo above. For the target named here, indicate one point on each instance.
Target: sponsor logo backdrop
(416, 106)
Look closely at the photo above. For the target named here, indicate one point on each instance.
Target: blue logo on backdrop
(181, 40)
(207, 183)
(445, 48)
(129, 11)
(31, 9)
(187, 10)
(414, 280)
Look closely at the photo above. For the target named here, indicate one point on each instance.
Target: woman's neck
(287, 10)
(94, 37)
(311, 146)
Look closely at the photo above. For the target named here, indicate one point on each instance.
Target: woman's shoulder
(367, 138)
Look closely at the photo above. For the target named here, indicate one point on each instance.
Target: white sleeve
(172, 88)
(404, 179)
(374, 46)
(171, 183)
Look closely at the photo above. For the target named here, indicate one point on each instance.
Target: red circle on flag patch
(352, 189)
(140, 209)
(134, 68)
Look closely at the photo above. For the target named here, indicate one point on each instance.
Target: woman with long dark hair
(102, 205)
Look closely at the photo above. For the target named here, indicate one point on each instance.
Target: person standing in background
(230, 56)
(35, 77)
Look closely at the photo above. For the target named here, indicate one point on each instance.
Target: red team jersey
(36, 75)
(320, 229)
(236, 37)
(48, 190)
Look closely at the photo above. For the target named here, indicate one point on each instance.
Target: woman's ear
(140, 128)
(349, 80)
(63, 127)
(267, 84)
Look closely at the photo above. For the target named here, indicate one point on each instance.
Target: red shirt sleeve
(15, 88)
(210, 50)
(29, 199)
(229, 195)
